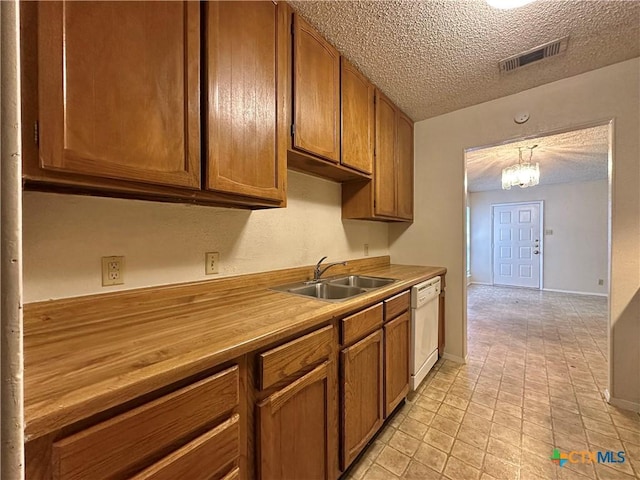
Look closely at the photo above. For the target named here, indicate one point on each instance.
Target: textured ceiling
(436, 56)
(577, 156)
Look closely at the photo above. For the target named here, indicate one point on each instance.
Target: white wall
(65, 236)
(574, 255)
(437, 235)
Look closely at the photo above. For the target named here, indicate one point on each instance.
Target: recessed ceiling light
(508, 4)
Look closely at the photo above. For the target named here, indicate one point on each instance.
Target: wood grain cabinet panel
(119, 86)
(294, 429)
(210, 456)
(358, 118)
(316, 93)
(286, 360)
(385, 173)
(362, 394)
(119, 446)
(397, 337)
(396, 305)
(389, 196)
(356, 326)
(246, 65)
(404, 154)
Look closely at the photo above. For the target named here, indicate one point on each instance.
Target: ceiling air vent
(530, 56)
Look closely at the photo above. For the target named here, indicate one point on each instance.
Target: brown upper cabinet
(246, 52)
(386, 173)
(358, 119)
(119, 90)
(316, 93)
(315, 103)
(117, 100)
(389, 196)
(404, 159)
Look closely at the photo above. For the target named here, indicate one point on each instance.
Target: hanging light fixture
(522, 174)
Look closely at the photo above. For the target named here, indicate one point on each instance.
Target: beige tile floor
(533, 382)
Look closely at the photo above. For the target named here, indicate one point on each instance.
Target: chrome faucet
(317, 272)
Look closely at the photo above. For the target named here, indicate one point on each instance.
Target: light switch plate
(211, 261)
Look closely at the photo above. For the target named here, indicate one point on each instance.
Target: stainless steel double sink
(336, 289)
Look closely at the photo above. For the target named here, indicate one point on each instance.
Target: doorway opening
(570, 273)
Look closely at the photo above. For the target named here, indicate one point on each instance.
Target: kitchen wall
(437, 235)
(65, 236)
(575, 255)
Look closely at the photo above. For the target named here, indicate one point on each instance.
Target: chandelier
(522, 174)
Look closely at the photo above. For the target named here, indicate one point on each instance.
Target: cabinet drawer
(233, 474)
(358, 325)
(209, 456)
(131, 440)
(394, 306)
(290, 358)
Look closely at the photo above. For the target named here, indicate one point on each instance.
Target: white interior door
(517, 252)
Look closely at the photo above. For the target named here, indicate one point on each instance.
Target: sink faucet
(317, 272)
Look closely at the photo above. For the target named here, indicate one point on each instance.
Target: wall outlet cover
(112, 271)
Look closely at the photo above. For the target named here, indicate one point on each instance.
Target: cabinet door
(358, 119)
(397, 336)
(385, 173)
(316, 93)
(362, 394)
(119, 90)
(246, 151)
(294, 429)
(404, 152)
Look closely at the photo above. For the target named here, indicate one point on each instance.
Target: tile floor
(536, 369)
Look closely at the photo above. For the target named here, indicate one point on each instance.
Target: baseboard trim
(454, 358)
(575, 292)
(620, 403)
(481, 283)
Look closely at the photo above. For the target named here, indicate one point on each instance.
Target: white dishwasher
(424, 329)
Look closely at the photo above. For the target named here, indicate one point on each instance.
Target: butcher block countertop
(87, 354)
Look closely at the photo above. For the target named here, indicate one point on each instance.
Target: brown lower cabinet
(397, 335)
(296, 408)
(362, 394)
(294, 435)
(205, 458)
(441, 336)
(303, 408)
(156, 440)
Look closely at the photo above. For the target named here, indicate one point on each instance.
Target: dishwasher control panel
(425, 291)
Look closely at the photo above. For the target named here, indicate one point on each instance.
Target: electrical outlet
(211, 261)
(112, 271)
(600, 281)
(366, 249)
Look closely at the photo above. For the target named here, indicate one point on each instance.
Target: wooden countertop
(87, 354)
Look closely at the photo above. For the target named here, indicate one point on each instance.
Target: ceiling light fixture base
(521, 117)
